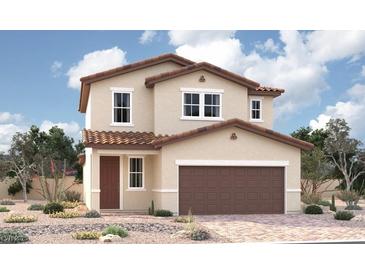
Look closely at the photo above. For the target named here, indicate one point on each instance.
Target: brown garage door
(109, 182)
(231, 190)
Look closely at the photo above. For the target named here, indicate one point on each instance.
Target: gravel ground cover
(142, 228)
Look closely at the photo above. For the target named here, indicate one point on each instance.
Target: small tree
(19, 164)
(316, 171)
(344, 151)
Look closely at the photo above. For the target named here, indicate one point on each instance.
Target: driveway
(282, 228)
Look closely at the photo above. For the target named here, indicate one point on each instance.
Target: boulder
(110, 238)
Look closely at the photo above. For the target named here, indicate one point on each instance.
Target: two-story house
(185, 135)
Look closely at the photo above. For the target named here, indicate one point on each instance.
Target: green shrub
(37, 207)
(312, 198)
(65, 214)
(16, 187)
(115, 230)
(7, 202)
(199, 235)
(324, 203)
(69, 205)
(4, 209)
(92, 214)
(163, 213)
(313, 209)
(16, 218)
(86, 235)
(10, 236)
(53, 207)
(353, 207)
(344, 215)
(349, 197)
(333, 203)
(72, 196)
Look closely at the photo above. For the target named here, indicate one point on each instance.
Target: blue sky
(322, 72)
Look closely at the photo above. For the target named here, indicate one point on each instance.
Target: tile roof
(91, 138)
(268, 133)
(85, 81)
(148, 140)
(150, 81)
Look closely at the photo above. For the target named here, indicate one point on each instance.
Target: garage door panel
(231, 190)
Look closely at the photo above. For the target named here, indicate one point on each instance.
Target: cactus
(151, 209)
(333, 204)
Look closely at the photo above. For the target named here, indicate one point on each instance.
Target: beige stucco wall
(219, 146)
(168, 98)
(35, 192)
(100, 97)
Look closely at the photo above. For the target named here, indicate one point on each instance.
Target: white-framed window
(122, 106)
(212, 105)
(201, 104)
(256, 110)
(136, 172)
(191, 107)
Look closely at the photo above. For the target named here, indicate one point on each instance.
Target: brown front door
(231, 190)
(109, 182)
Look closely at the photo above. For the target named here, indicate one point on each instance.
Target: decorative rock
(109, 238)
(180, 234)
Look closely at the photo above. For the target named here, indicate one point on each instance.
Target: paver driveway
(279, 228)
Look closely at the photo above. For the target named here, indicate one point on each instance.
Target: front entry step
(115, 212)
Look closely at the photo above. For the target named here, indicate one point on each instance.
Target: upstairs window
(256, 110)
(135, 172)
(191, 104)
(201, 104)
(211, 105)
(122, 107)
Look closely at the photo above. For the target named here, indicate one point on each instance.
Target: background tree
(344, 152)
(44, 155)
(316, 169)
(19, 163)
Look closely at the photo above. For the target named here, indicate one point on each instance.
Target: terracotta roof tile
(91, 138)
(150, 81)
(85, 81)
(237, 123)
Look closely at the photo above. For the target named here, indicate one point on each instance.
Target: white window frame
(261, 110)
(130, 92)
(142, 188)
(202, 92)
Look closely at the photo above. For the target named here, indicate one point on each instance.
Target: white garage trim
(165, 190)
(230, 163)
(293, 190)
(258, 163)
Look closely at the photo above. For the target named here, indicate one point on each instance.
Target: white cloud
(7, 117)
(56, 68)
(147, 36)
(352, 110)
(363, 71)
(71, 129)
(299, 67)
(268, 46)
(6, 134)
(94, 62)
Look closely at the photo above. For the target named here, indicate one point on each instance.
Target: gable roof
(87, 80)
(268, 133)
(148, 140)
(254, 88)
